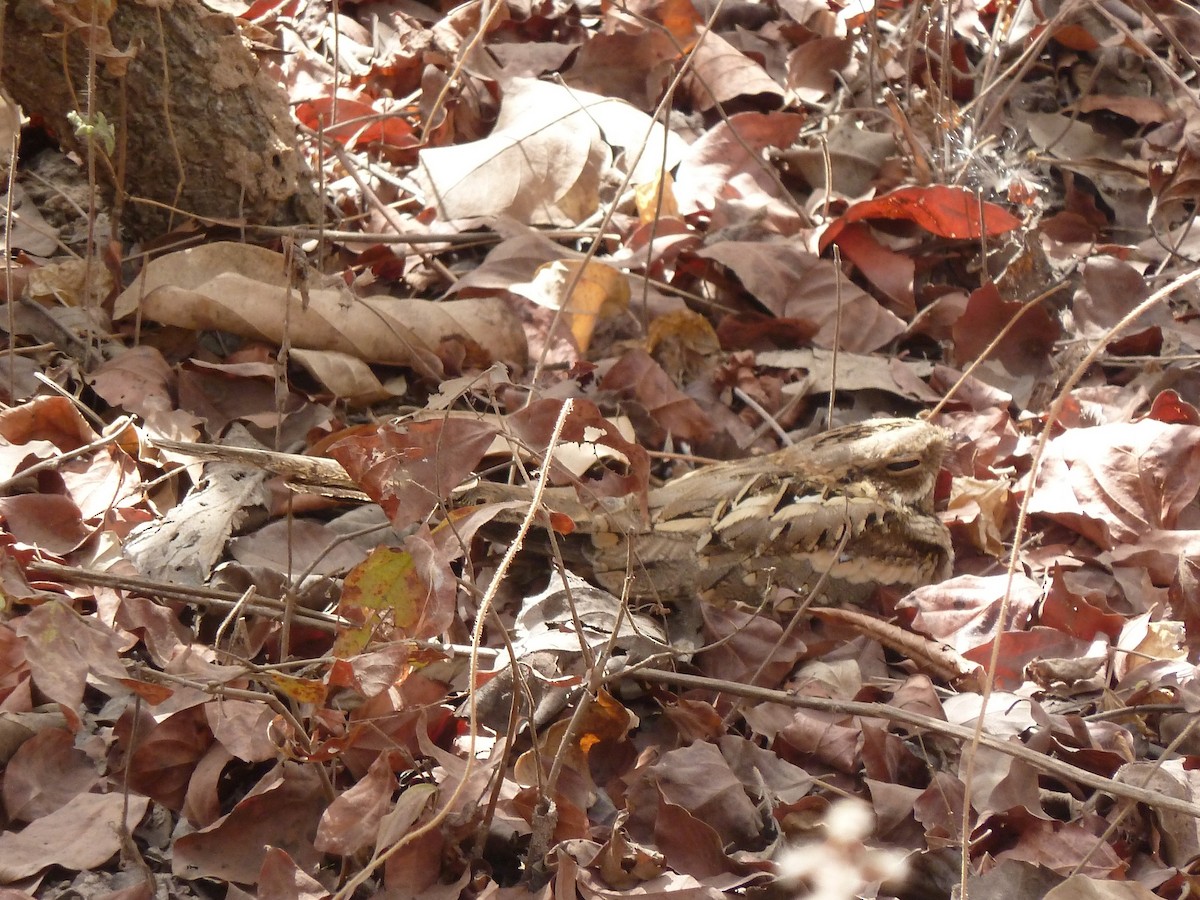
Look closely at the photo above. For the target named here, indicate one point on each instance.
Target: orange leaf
(358, 122)
(153, 694)
(945, 211)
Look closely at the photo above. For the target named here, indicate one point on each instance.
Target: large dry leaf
(281, 811)
(794, 284)
(542, 162)
(724, 172)
(84, 834)
(45, 774)
(64, 648)
(721, 73)
(1118, 482)
(244, 290)
(352, 820)
(516, 258)
(698, 778)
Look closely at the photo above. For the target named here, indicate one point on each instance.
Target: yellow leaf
(585, 294)
(385, 590)
(646, 197)
(302, 690)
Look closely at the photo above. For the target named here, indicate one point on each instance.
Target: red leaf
(1169, 407)
(945, 211)
(409, 469)
(357, 123)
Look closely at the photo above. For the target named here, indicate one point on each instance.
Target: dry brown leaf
(659, 407)
(346, 377)
(65, 650)
(244, 290)
(793, 283)
(352, 820)
(723, 172)
(45, 774)
(721, 73)
(1120, 482)
(634, 66)
(84, 834)
(815, 67)
(282, 811)
(981, 507)
(962, 611)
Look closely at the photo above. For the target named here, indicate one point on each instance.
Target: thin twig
(1016, 750)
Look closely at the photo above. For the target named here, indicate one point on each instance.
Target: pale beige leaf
(346, 377)
(244, 290)
(1081, 887)
(542, 162)
(31, 233)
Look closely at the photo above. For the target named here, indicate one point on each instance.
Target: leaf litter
(261, 633)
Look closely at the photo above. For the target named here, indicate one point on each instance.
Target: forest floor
(244, 601)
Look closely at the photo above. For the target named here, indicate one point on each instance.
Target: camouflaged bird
(855, 502)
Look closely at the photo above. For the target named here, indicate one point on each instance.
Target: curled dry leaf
(721, 73)
(244, 290)
(937, 660)
(981, 507)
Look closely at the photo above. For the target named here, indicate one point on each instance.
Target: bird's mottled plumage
(855, 501)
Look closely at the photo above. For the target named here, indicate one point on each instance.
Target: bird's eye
(903, 465)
